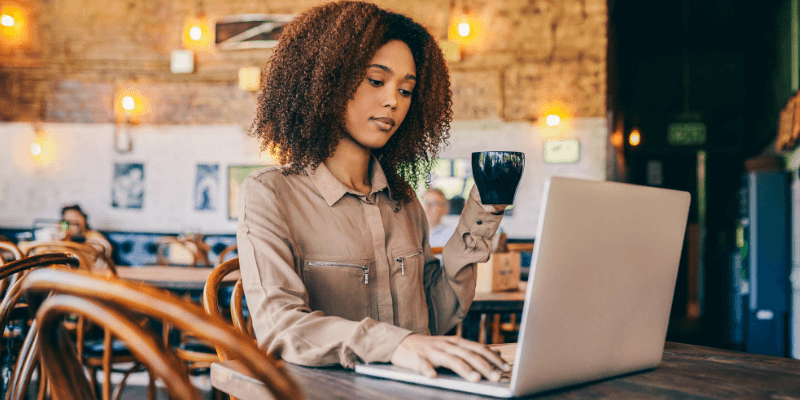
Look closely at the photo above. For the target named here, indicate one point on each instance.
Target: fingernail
(474, 376)
(495, 376)
(506, 367)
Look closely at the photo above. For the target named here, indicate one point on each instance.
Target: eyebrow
(389, 70)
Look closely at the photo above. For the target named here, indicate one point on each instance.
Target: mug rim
(498, 151)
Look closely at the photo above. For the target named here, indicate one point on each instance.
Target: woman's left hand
(490, 208)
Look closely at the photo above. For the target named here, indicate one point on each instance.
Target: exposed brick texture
(531, 52)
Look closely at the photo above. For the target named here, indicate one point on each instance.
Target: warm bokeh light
(36, 149)
(463, 29)
(14, 25)
(617, 139)
(635, 138)
(197, 33)
(555, 119)
(128, 103)
(44, 149)
(7, 20)
(467, 30)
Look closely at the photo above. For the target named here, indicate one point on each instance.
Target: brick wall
(532, 53)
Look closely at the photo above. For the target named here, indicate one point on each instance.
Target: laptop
(600, 289)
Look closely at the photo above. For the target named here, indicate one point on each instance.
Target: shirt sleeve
(277, 299)
(450, 288)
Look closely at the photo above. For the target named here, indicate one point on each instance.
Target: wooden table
(172, 278)
(686, 371)
(495, 303)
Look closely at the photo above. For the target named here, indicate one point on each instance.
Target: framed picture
(236, 175)
(206, 187)
(250, 31)
(127, 187)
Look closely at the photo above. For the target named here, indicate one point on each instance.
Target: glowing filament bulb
(7, 20)
(635, 138)
(36, 149)
(552, 120)
(128, 103)
(195, 33)
(463, 29)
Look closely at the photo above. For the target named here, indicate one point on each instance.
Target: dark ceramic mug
(497, 175)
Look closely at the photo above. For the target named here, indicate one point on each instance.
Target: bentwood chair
(108, 301)
(91, 258)
(8, 252)
(176, 250)
(227, 251)
(211, 299)
(95, 348)
(9, 309)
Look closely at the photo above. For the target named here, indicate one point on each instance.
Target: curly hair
(315, 70)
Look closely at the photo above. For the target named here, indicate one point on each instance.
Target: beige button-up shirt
(332, 276)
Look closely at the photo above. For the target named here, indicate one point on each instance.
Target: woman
(333, 245)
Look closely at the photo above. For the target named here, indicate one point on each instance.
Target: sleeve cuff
(478, 222)
(376, 341)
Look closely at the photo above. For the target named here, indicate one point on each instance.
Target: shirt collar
(332, 190)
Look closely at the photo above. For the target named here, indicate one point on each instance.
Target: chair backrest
(10, 300)
(175, 250)
(91, 257)
(225, 252)
(151, 302)
(211, 300)
(9, 248)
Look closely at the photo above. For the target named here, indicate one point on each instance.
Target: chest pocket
(338, 288)
(407, 277)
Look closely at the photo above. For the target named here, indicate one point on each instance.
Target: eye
(375, 83)
(405, 93)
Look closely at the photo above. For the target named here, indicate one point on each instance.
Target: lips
(384, 123)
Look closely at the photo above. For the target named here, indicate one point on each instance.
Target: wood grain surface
(686, 372)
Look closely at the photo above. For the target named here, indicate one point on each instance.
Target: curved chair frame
(225, 251)
(17, 388)
(64, 368)
(211, 300)
(170, 308)
(83, 251)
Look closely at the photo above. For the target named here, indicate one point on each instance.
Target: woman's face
(382, 99)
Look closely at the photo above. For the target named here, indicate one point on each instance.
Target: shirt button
(479, 222)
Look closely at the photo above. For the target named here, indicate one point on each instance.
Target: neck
(350, 165)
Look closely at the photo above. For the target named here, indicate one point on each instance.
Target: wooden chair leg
(460, 329)
(482, 329)
(497, 336)
(151, 387)
(107, 350)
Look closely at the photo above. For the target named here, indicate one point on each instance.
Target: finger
(424, 367)
(475, 360)
(487, 353)
(455, 364)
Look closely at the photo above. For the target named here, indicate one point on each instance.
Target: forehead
(72, 214)
(397, 56)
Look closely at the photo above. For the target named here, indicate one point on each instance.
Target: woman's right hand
(468, 359)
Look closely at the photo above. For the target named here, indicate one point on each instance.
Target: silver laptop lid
(600, 287)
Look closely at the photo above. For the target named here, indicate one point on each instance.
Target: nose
(390, 99)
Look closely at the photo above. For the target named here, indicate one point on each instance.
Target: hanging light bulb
(463, 29)
(635, 138)
(7, 20)
(195, 33)
(552, 120)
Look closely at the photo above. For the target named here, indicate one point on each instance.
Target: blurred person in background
(77, 229)
(436, 206)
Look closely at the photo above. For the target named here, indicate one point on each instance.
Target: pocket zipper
(340, 264)
(402, 260)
